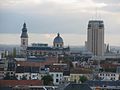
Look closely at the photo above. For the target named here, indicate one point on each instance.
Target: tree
(83, 79)
(14, 52)
(24, 77)
(47, 80)
(8, 77)
(13, 77)
(66, 59)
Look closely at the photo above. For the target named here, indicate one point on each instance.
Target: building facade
(39, 49)
(108, 76)
(95, 37)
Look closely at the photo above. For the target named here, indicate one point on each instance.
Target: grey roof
(24, 31)
(5, 88)
(23, 69)
(96, 21)
(39, 48)
(103, 83)
(48, 48)
(58, 39)
(36, 59)
(77, 87)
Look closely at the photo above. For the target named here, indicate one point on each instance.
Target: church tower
(24, 39)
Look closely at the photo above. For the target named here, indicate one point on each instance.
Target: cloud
(112, 6)
(108, 1)
(69, 17)
(49, 6)
(52, 16)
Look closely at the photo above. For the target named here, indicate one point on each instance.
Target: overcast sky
(64, 16)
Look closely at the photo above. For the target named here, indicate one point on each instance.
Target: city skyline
(69, 39)
(48, 17)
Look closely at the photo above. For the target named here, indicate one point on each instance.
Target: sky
(45, 18)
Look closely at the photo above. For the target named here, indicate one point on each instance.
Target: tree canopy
(8, 77)
(83, 79)
(47, 80)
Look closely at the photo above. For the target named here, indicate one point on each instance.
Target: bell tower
(24, 40)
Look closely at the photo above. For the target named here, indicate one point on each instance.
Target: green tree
(66, 59)
(13, 77)
(14, 52)
(24, 77)
(47, 80)
(83, 79)
(8, 77)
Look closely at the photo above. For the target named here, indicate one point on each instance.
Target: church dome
(58, 39)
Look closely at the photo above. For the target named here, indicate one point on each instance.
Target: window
(35, 52)
(33, 76)
(11, 72)
(75, 76)
(31, 54)
(23, 41)
(56, 75)
(71, 76)
(57, 80)
(40, 53)
(60, 75)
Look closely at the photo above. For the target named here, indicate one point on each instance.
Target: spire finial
(58, 34)
(24, 25)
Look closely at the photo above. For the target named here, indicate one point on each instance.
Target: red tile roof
(56, 68)
(50, 61)
(13, 83)
(109, 65)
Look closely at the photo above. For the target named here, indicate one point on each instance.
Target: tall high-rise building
(95, 37)
(24, 39)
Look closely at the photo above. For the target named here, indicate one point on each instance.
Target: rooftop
(77, 87)
(13, 83)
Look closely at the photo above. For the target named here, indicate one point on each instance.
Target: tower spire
(58, 34)
(24, 31)
(24, 25)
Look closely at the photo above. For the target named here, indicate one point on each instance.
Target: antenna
(96, 13)
(100, 15)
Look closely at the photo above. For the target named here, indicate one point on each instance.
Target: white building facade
(57, 77)
(108, 76)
